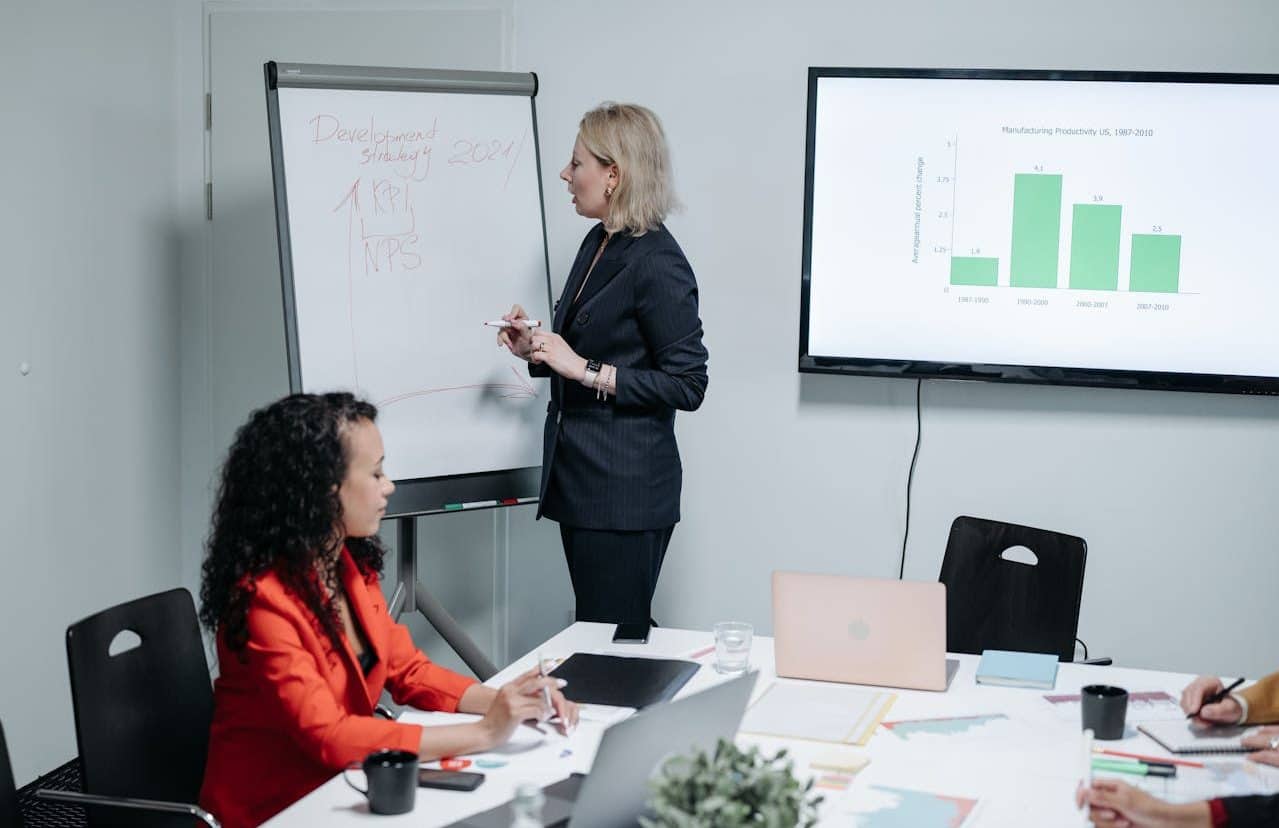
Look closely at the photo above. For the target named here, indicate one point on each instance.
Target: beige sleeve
(1262, 700)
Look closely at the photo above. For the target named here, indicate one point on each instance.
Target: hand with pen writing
(1206, 698)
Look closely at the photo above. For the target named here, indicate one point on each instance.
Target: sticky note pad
(833, 782)
(840, 762)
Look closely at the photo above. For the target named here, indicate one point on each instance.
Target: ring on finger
(1274, 742)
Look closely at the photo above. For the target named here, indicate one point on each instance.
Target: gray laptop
(630, 753)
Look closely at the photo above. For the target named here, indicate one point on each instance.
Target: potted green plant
(729, 788)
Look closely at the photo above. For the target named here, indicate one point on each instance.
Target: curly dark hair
(278, 509)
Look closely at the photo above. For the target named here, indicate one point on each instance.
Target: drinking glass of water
(732, 646)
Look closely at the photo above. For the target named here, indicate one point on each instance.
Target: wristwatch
(592, 373)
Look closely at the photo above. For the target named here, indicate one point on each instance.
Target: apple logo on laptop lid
(859, 629)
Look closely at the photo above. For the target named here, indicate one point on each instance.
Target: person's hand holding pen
(1206, 698)
(530, 698)
(516, 337)
(560, 711)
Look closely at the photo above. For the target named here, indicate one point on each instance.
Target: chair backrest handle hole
(1020, 554)
(124, 641)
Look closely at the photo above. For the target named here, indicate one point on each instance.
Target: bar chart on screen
(1044, 223)
(1061, 215)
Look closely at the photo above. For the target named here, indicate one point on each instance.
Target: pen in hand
(1215, 697)
(546, 691)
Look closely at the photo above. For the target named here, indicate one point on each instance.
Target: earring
(608, 192)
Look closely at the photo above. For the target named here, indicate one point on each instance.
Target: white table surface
(1023, 771)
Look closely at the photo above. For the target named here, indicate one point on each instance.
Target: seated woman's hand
(520, 700)
(565, 710)
(1265, 745)
(1226, 711)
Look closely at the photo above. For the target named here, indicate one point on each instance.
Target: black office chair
(20, 808)
(998, 597)
(141, 714)
(10, 811)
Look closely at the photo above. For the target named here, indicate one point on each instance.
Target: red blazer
(297, 711)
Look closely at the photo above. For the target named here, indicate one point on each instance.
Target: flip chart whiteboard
(409, 209)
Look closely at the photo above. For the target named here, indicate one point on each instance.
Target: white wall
(1170, 490)
(89, 459)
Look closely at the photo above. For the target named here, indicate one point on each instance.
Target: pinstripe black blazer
(614, 464)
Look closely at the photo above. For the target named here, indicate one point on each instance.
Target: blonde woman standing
(624, 353)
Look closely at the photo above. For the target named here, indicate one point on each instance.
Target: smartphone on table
(448, 780)
(631, 633)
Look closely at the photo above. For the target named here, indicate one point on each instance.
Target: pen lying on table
(1190, 763)
(1134, 767)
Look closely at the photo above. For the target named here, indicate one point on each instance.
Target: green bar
(974, 270)
(1036, 230)
(1156, 263)
(1094, 247)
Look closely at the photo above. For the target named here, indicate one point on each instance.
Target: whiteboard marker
(502, 323)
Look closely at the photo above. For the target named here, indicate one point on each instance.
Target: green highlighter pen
(1136, 768)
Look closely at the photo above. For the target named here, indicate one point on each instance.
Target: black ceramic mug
(392, 780)
(1104, 709)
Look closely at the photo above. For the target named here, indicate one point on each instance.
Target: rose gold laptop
(860, 630)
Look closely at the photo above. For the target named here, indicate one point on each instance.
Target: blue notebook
(1013, 669)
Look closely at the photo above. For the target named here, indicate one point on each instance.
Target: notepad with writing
(622, 681)
(1008, 668)
(1192, 736)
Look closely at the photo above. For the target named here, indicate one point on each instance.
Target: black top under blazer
(614, 464)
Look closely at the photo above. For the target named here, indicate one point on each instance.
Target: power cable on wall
(910, 476)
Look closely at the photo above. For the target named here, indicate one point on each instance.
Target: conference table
(973, 755)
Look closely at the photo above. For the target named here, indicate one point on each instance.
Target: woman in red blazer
(305, 646)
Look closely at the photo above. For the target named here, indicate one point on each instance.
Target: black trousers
(614, 573)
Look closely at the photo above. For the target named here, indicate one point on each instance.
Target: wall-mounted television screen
(1077, 228)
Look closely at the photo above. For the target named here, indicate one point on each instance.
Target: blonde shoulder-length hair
(631, 137)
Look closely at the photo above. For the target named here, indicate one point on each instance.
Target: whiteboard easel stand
(412, 596)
